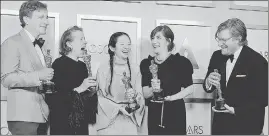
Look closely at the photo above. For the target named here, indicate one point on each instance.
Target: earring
(69, 48)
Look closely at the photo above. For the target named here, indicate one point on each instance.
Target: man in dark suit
(243, 78)
(22, 70)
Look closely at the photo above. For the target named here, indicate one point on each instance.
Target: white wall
(148, 11)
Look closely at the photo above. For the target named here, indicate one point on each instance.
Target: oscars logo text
(98, 48)
(194, 130)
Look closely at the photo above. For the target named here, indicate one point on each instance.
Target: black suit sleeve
(259, 85)
(211, 67)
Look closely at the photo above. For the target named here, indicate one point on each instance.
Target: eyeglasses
(222, 40)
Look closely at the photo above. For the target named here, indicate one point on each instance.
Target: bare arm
(147, 91)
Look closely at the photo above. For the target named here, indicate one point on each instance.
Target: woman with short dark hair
(174, 76)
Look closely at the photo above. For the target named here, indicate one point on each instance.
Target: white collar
(237, 53)
(32, 38)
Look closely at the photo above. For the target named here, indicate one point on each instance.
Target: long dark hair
(112, 43)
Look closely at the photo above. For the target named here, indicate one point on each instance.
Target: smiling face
(38, 22)
(123, 47)
(159, 44)
(77, 43)
(228, 44)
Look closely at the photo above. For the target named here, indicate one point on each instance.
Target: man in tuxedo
(243, 78)
(23, 68)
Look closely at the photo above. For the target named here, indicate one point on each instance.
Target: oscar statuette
(87, 60)
(220, 101)
(157, 92)
(48, 86)
(133, 105)
(157, 97)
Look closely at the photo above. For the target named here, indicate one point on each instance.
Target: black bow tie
(39, 42)
(231, 57)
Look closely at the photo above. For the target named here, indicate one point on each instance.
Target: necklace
(161, 61)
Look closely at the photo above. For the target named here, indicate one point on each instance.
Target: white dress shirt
(229, 66)
(37, 48)
(41, 57)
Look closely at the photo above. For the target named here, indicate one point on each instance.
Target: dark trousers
(62, 127)
(228, 124)
(27, 128)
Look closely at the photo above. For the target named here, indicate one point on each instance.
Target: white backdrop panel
(198, 118)
(10, 25)
(97, 34)
(198, 46)
(258, 40)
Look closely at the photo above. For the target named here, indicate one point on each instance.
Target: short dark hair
(167, 33)
(67, 37)
(28, 7)
(237, 28)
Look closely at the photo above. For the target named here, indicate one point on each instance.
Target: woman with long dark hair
(114, 117)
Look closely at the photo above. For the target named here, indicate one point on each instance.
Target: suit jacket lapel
(30, 50)
(239, 63)
(223, 75)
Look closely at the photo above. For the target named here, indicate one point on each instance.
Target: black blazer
(246, 91)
